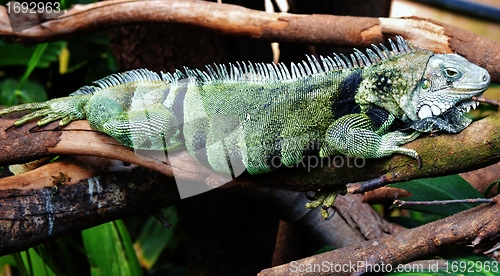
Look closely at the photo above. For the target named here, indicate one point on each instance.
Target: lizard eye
(451, 72)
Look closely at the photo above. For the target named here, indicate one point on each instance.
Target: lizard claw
(325, 199)
(419, 161)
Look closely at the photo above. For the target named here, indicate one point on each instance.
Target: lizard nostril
(486, 77)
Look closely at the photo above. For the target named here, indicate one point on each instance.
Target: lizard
(256, 117)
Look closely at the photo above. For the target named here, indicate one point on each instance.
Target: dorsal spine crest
(259, 72)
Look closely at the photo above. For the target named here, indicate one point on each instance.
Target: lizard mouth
(439, 104)
(466, 106)
(451, 120)
(431, 109)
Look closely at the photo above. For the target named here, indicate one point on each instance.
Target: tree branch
(69, 197)
(282, 27)
(477, 227)
(49, 193)
(51, 201)
(475, 147)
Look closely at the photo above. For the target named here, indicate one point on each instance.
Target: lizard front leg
(355, 135)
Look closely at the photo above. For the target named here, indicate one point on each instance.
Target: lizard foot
(324, 198)
(65, 109)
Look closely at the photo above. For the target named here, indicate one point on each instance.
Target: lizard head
(449, 82)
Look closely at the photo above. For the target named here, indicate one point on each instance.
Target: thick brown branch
(475, 147)
(30, 142)
(474, 227)
(69, 197)
(236, 20)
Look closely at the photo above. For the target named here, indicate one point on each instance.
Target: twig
(370, 185)
(478, 226)
(400, 203)
(486, 101)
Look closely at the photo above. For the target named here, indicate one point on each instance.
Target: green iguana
(257, 117)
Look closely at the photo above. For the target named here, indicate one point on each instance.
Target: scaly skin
(257, 117)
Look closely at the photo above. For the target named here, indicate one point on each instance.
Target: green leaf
(414, 219)
(23, 270)
(45, 256)
(32, 264)
(33, 62)
(128, 246)
(17, 54)
(154, 237)
(324, 249)
(7, 260)
(439, 188)
(491, 186)
(30, 91)
(106, 250)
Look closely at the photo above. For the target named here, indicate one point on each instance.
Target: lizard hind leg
(155, 128)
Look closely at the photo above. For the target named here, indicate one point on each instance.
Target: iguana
(256, 116)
